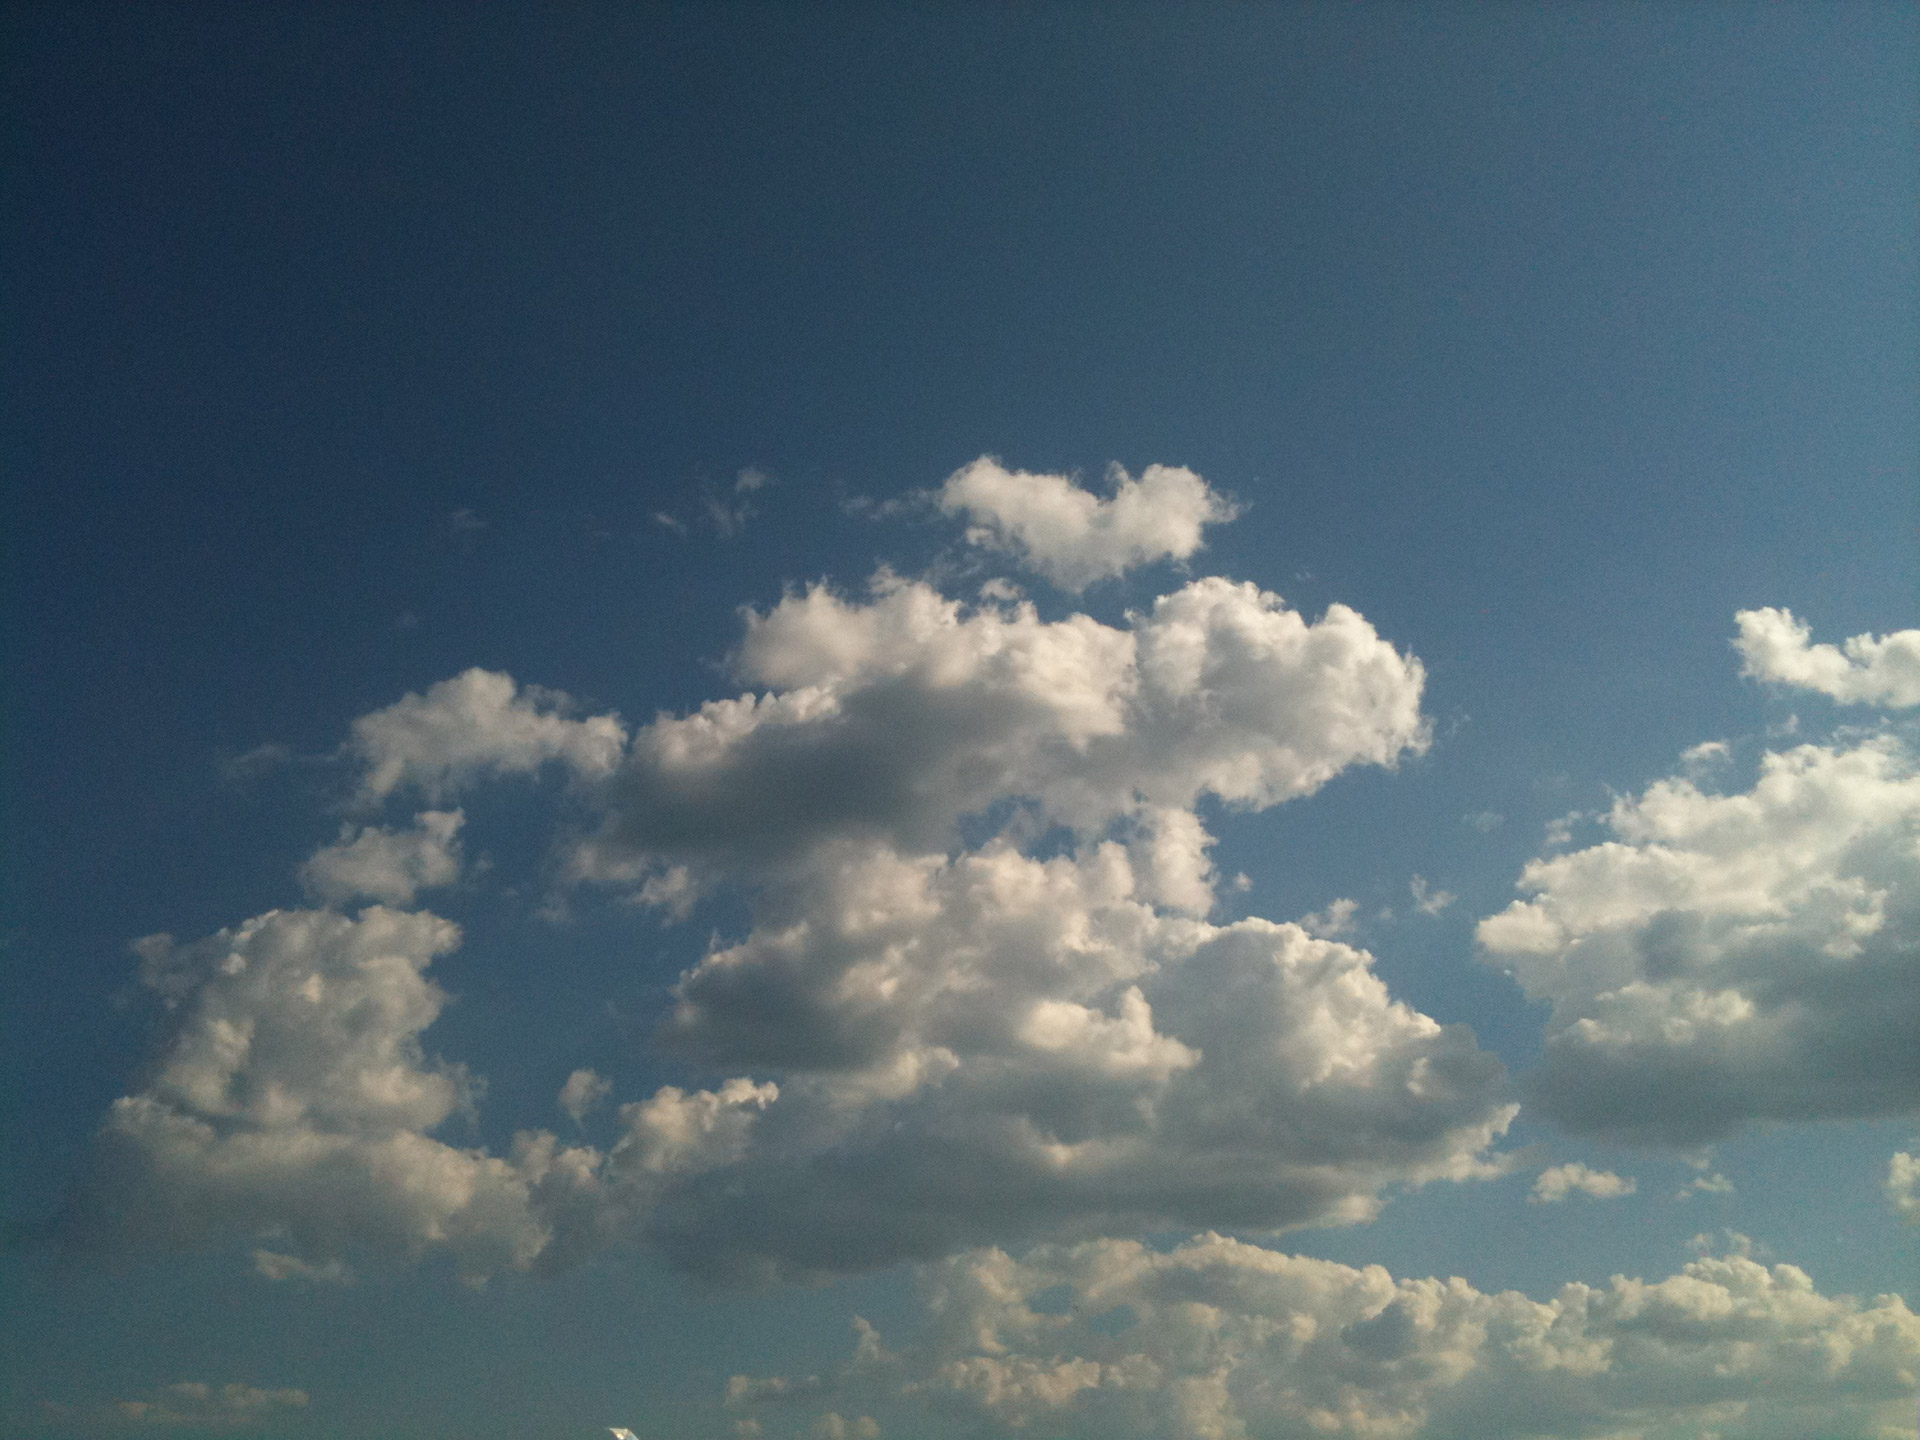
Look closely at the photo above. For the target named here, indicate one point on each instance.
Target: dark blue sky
(347, 348)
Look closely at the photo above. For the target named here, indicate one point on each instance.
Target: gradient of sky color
(347, 351)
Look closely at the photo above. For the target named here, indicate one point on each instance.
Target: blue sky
(1494, 360)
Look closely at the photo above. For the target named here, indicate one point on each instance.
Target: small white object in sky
(1866, 670)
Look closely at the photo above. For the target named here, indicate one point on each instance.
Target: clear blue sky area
(347, 349)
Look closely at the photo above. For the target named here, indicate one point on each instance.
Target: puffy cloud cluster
(893, 718)
(1219, 1339)
(478, 724)
(936, 1039)
(1867, 670)
(998, 1046)
(1557, 1182)
(292, 1100)
(1731, 958)
(1072, 536)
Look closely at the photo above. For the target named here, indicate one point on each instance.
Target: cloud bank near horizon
(1217, 1338)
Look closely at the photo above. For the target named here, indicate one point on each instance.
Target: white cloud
(1427, 900)
(1557, 1182)
(291, 1101)
(1903, 1186)
(474, 725)
(896, 717)
(1866, 670)
(1731, 958)
(1072, 536)
(931, 1046)
(996, 1045)
(582, 1094)
(1332, 922)
(385, 864)
(1711, 1183)
(272, 1265)
(1218, 1339)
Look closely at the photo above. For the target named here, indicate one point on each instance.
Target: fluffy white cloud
(1867, 670)
(1903, 1186)
(897, 717)
(1072, 536)
(995, 1045)
(1557, 1182)
(385, 864)
(1220, 1340)
(1729, 958)
(292, 1100)
(937, 1038)
(478, 723)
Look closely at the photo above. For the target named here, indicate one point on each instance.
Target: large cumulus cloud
(978, 998)
(894, 717)
(1000, 1046)
(1732, 958)
(1221, 1340)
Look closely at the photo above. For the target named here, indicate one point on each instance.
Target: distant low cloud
(1866, 670)
(1725, 959)
(1074, 537)
(1559, 1181)
(1112, 1340)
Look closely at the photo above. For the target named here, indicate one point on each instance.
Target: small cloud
(1559, 1181)
(406, 620)
(1485, 821)
(259, 761)
(582, 1094)
(670, 522)
(1729, 1242)
(270, 1265)
(1428, 901)
(1335, 920)
(1711, 1184)
(1902, 1186)
(750, 480)
(1708, 755)
(1560, 831)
